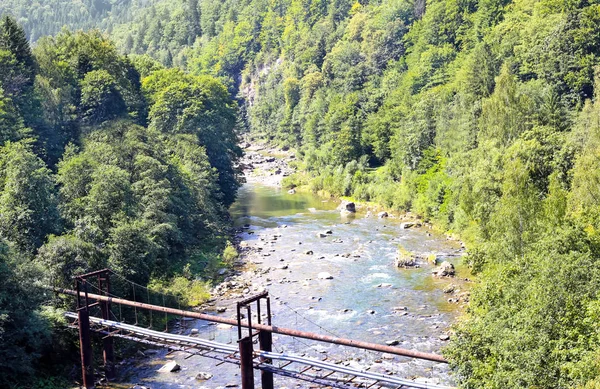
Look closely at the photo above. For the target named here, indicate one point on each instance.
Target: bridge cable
(134, 307)
(284, 303)
(148, 299)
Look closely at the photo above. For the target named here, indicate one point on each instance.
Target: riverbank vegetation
(101, 167)
(482, 116)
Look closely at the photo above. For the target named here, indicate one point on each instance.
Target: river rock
(325, 276)
(309, 252)
(407, 225)
(444, 337)
(221, 309)
(194, 331)
(449, 289)
(433, 259)
(292, 191)
(405, 259)
(348, 207)
(446, 269)
(322, 235)
(169, 367)
(392, 342)
(202, 376)
(382, 215)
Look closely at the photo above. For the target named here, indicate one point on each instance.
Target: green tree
(100, 99)
(28, 204)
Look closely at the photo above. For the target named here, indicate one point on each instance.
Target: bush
(230, 254)
(191, 293)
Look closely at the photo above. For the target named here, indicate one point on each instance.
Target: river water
(361, 301)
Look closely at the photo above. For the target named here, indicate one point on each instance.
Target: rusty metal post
(265, 340)
(246, 363)
(85, 345)
(108, 351)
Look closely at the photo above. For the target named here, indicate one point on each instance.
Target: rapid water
(360, 302)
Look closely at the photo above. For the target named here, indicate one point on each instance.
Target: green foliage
(23, 331)
(189, 293)
(28, 205)
(100, 100)
(230, 254)
(98, 171)
(478, 115)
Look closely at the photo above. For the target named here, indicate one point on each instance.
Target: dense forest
(105, 161)
(481, 116)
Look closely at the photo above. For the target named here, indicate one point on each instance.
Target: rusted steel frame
(93, 273)
(273, 329)
(268, 310)
(265, 340)
(253, 298)
(246, 362)
(89, 306)
(108, 353)
(85, 346)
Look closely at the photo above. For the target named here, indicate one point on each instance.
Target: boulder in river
(202, 376)
(407, 225)
(325, 276)
(446, 269)
(322, 235)
(292, 191)
(348, 207)
(405, 258)
(382, 215)
(169, 367)
(309, 252)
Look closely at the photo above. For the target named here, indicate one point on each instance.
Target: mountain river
(368, 298)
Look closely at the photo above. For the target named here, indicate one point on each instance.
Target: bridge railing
(104, 300)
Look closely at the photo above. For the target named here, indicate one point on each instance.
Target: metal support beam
(265, 340)
(246, 362)
(108, 351)
(269, 328)
(85, 345)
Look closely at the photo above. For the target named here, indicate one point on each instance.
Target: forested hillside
(482, 116)
(105, 161)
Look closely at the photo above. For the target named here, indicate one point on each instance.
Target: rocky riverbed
(265, 165)
(329, 272)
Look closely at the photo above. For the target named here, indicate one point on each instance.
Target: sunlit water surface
(364, 282)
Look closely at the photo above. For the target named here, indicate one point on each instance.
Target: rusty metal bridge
(267, 362)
